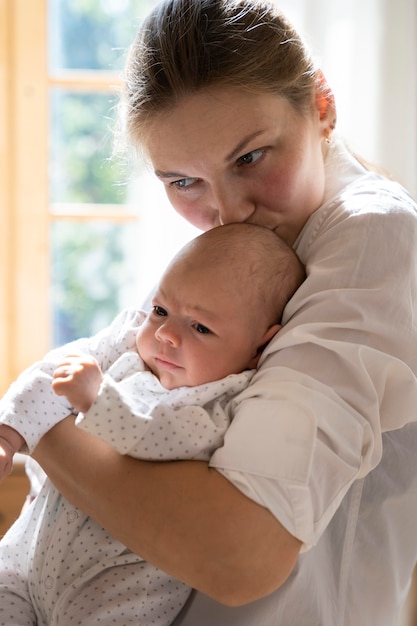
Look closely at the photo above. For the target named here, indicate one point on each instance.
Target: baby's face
(197, 331)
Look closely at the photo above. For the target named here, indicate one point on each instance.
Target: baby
(157, 386)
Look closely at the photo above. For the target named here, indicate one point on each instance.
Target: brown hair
(188, 45)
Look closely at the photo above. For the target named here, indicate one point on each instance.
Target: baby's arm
(30, 405)
(10, 443)
(78, 377)
(152, 423)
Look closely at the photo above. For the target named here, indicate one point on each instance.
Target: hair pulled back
(185, 46)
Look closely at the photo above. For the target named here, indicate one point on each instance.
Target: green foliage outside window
(90, 263)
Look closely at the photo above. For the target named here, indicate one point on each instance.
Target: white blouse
(315, 436)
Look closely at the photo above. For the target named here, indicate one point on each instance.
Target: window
(75, 242)
(92, 226)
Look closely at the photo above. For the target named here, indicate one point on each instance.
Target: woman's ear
(325, 105)
(267, 336)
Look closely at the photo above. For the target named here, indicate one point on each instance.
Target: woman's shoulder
(373, 193)
(371, 203)
(368, 194)
(353, 188)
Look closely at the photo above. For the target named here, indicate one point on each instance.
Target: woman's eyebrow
(162, 174)
(230, 157)
(242, 144)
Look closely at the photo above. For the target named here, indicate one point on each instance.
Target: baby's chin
(172, 379)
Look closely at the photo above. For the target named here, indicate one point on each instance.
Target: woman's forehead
(220, 119)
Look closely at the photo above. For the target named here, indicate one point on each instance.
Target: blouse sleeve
(340, 372)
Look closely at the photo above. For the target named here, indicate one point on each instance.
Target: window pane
(98, 267)
(81, 143)
(92, 276)
(92, 34)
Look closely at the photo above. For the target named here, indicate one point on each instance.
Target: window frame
(26, 217)
(24, 255)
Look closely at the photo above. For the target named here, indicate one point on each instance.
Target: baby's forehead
(219, 276)
(227, 265)
(207, 288)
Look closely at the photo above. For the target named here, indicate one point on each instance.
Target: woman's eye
(250, 157)
(203, 330)
(183, 183)
(159, 310)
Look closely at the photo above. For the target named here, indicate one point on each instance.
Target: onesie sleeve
(340, 372)
(31, 407)
(139, 417)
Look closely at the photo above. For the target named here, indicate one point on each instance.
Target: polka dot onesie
(57, 566)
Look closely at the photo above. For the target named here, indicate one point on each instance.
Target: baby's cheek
(142, 341)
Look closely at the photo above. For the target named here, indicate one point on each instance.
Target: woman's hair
(185, 46)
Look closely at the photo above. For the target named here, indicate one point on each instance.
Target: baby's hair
(252, 258)
(185, 46)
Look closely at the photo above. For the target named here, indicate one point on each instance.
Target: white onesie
(57, 566)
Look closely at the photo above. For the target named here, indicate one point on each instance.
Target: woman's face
(229, 155)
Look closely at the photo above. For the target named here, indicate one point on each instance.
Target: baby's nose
(168, 333)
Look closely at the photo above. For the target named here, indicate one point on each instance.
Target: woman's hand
(182, 516)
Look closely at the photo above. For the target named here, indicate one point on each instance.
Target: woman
(308, 510)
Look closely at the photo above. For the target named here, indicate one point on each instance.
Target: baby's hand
(78, 377)
(10, 443)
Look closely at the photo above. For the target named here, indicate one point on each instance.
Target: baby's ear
(271, 332)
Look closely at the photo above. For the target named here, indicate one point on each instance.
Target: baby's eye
(183, 183)
(203, 330)
(250, 157)
(159, 310)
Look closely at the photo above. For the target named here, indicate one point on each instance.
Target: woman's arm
(182, 516)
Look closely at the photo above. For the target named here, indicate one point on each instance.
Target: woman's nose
(232, 205)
